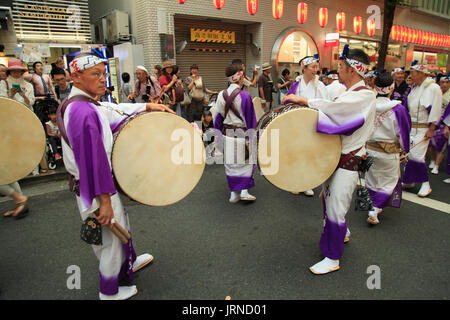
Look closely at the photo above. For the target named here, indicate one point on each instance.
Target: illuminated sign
(332, 40)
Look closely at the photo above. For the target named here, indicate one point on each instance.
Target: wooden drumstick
(120, 229)
(116, 229)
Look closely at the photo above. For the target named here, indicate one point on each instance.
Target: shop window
(290, 47)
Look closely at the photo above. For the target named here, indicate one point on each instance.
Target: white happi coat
(335, 89)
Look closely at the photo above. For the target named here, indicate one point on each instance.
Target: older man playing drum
(87, 127)
(351, 116)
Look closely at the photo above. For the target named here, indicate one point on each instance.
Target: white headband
(235, 77)
(359, 67)
(385, 90)
(333, 76)
(85, 62)
(309, 60)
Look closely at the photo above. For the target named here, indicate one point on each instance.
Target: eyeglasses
(98, 75)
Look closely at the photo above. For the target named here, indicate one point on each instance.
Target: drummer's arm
(158, 107)
(295, 99)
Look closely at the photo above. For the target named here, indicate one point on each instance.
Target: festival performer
(351, 116)
(439, 141)
(390, 137)
(87, 128)
(309, 86)
(235, 113)
(446, 121)
(334, 87)
(424, 105)
(401, 88)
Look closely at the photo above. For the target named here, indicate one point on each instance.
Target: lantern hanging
(410, 35)
(252, 6)
(371, 27)
(323, 16)
(340, 20)
(181, 1)
(394, 33)
(302, 12)
(277, 8)
(357, 24)
(219, 4)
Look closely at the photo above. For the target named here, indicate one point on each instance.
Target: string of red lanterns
(357, 24)
(370, 27)
(403, 34)
(302, 12)
(252, 6)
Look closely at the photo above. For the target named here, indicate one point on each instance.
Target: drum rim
(194, 185)
(43, 135)
(283, 112)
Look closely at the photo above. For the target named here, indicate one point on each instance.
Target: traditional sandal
(22, 213)
(8, 213)
(44, 171)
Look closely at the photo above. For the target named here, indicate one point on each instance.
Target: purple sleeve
(248, 110)
(218, 122)
(86, 138)
(404, 125)
(292, 90)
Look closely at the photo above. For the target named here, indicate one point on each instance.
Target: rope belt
(384, 147)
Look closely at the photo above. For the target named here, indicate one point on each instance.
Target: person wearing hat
(8, 89)
(309, 86)
(87, 130)
(146, 86)
(424, 103)
(265, 87)
(401, 88)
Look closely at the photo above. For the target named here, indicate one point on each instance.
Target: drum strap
(229, 105)
(62, 109)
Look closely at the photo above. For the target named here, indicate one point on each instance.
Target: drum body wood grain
(157, 158)
(305, 157)
(22, 141)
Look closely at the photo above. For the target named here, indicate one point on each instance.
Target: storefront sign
(52, 21)
(202, 35)
(332, 40)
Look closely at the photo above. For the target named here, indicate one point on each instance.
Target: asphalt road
(206, 248)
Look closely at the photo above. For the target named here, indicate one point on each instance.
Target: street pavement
(208, 249)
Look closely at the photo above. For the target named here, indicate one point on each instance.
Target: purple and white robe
(239, 172)
(424, 106)
(314, 89)
(335, 89)
(352, 117)
(90, 132)
(446, 121)
(383, 180)
(439, 142)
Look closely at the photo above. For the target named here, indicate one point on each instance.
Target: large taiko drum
(158, 158)
(259, 111)
(291, 154)
(22, 141)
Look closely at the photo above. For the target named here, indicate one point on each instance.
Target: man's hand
(131, 96)
(106, 213)
(430, 132)
(446, 131)
(12, 92)
(159, 107)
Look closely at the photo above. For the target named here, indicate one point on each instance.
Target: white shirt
(314, 89)
(420, 97)
(231, 118)
(335, 89)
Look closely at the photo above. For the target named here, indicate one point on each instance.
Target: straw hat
(15, 64)
(167, 64)
(266, 66)
(142, 68)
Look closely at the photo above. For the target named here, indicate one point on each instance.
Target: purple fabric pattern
(404, 125)
(247, 110)
(292, 90)
(240, 183)
(332, 239)
(328, 126)
(382, 199)
(85, 134)
(415, 172)
(446, 113)
(218, 122)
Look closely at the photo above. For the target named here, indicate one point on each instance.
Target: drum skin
(158, 158)
(259, 111)
(306, 158)
(22, 141)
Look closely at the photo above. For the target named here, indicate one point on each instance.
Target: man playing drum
(351, 116)
(309, 86)
(88, 127)
(235, 113)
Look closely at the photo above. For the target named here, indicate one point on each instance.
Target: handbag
(187, 99)
(197, 92)
(91, 231)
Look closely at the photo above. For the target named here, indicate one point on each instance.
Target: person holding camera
(265, 87)
(146, 87)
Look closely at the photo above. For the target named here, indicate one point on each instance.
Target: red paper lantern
(410, 35)
(394, 34)
(371, 27)
(219, 4)
(277, 8)
(323, 16)
(252, 6)
(181, 1)
(420, 37)
(302, 12)
(340, 20)
(357, 24)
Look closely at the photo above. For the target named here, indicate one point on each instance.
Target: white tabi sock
(425, 189)
(325, 266)
(432, 164)
(235, 196)
(247, 196)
